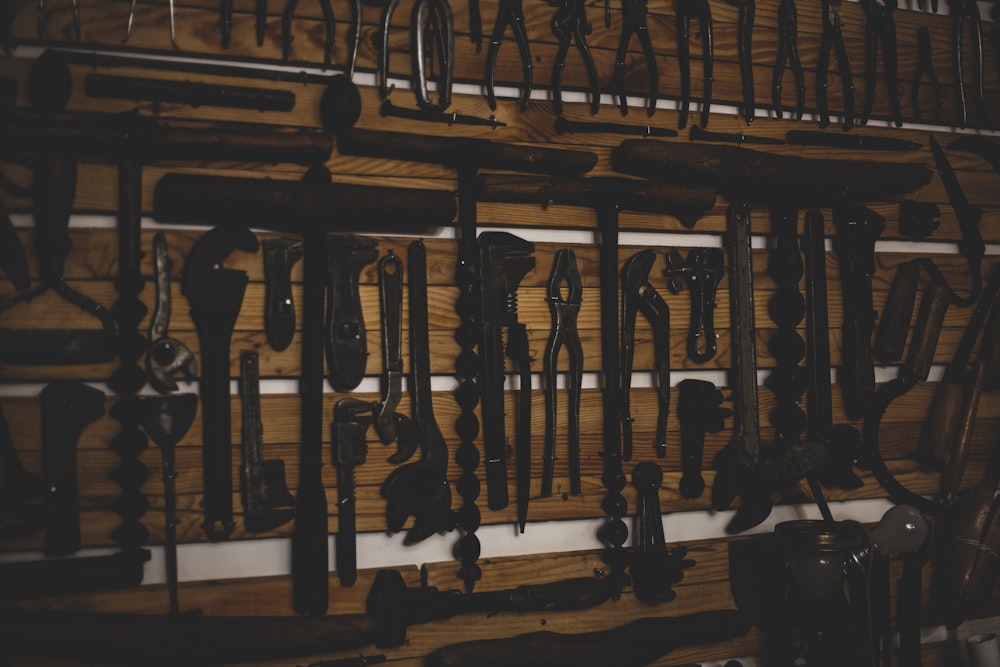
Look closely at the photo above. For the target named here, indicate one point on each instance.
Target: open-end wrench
(166, 356)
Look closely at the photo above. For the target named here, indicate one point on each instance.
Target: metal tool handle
(280, 255)
(55, 190)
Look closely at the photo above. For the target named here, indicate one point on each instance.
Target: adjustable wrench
(350, 449)
(347, 340)
(280, 255)
(390, 296)
(215, 294)
(166, 356)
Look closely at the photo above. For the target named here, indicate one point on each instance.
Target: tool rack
(91, 268)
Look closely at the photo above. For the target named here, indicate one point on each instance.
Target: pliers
(686, 10)
(441, 24)
(565, 311)
(961, 11)
(788, 52)
(638, 295)
(286, 29)
(880, 27)
(744, 48)
(926, 64)
(43, 15)
(634, 23)
(569, 23)
(833, 37)
(509, 13)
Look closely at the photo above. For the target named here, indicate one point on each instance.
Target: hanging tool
(388, 109)
(880, 29)
(842, 442)
(54, 190)
(280, 255)
(962, 11)
(43, 16)
(634, 14)
(350, 449)
(173, 36)
(982, 146)
(699, 412)
(788, 52)
(849, 141)
(638, 295)
(654, 567)
(504, 260)
(215, 294)
(925, 65)
(19, 514)
(699, 10)
(166, 356)
(166, 419)
(432, 19)
(267, 503)
(565, 311)
(346, 335)
(390, 298)
(260, 20)
(570, 23)
(192, 93)
(67, 409)
(833, 37)
(286, 29)
(744, 49)
(509, 13)
(420, 489)
(700, 273)
(564, 126)
(699, 134)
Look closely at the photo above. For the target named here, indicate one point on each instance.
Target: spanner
(166, 356)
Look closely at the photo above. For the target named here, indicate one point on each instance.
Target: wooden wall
(92, 265)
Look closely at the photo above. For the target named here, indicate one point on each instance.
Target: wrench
(166, 356)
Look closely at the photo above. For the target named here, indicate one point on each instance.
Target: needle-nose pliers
(699, 10)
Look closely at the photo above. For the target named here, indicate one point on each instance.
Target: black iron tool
(702, 12)
(984, 147)
(215, 294)
(925, 65)
(166, 356)
(267, 503)
(699, 134)
(634, 24)
(639, 295)
(351, 418)
(510, 13)
(700, 273)
(21, 492)
(699, 412)
(390, 298)
(288, 16)
(504, 260)
(832, 37)
(67, 409)
(570, 23)
(166, 419)
(420, 489)
(843, 442)
(744, 48)
(347, 337)
(880, 29)
(654, 568)
(54, 189)
(191, 93)
(788, 52)
(432, 19)
(565, 277)
(280, 255)
(961, 12)
(850, 141)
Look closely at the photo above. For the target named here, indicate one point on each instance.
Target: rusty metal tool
(165, 356)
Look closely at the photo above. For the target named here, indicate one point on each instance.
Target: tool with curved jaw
(351, 418)
(215, 294)
(638, 295)
(509, 13)
(420, 488)
(166, 356)
(744, 47)
(634, 23)
(880, 28)
(569, 23)
(788, 52)
(390, 297)
(833, 38)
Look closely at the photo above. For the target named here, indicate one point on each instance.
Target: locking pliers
(509, 13)
(569, 23)
(880, 28)
(565, 311)
(638, 295)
